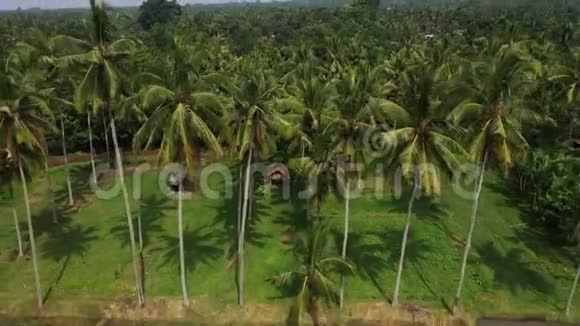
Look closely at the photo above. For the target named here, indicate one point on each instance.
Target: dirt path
(56, 161)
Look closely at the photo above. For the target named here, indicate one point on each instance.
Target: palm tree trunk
(314, 313)
(18, 235)
(405, 237)
(243, 229)
(91, 148)
(121, 174)
(251, 198)
(572, 291)
(181, 246)
(31, 236)
(137, 203)
(197, 168)
(71, 201)
(240, 198)
(140, 230)
(110, 159)
(473, 221)
(50, 189)
(345, 238)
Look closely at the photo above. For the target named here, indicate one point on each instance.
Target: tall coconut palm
(63, 89)
(322, 172)
(252, 121)
(91, 147)
(418, 145)
(71, 200)
(494, 117)
(103, 58)
(182, 116)
(310, 98)
(43, 48)
(312, 280)
(22, 107)
(59, 106)
(21, 60)
(356, 115)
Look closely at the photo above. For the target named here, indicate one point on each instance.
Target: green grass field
(511, 272)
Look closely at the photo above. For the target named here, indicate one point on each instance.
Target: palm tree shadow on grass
(427, 209)
(69, 241)
(367, 252)
(43, 223)
(152, 209)
(294, 218)
(512, 271)
(80, 183)
(429, 288)
(424, 207)
(227, 215)
(530, 233)
(201, 247)
(535, 240)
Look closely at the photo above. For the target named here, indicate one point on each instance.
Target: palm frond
(392, 111)
(466, 112)
(155, 95)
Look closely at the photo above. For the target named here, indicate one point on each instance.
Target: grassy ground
(512, 271)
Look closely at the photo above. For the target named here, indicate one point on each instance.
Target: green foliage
(312, 282)
(154, 12)
(550, 185)
(320, 84)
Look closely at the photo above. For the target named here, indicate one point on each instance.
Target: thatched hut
(277, 173)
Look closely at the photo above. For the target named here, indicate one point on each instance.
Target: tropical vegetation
(453, 108)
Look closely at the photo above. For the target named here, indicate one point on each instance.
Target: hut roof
(277, 172)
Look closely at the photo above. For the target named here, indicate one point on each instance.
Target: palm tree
(91, 147)
(43, 48)
(417, 144)
(322, 172)
(103, 57)
(356, 115)
(59, 104)
(312, 280)
(21, 60)
(310, 98)
(251, 121)
(22, 127)
(71, 201)
(495, 118)
(180, 118)
(569, 75)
